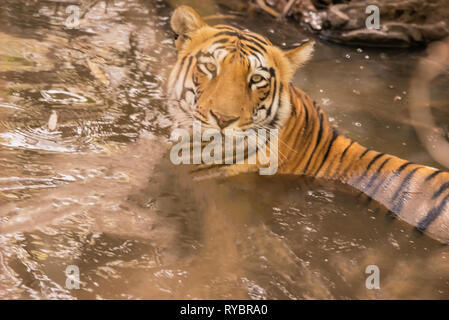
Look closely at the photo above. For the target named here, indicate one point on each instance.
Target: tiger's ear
(300, 55)
(184, 22)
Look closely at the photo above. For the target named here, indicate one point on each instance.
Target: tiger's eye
(211, 67)
(256, 78)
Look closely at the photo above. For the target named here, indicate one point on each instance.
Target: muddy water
(85, 179)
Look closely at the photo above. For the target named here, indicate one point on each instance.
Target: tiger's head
(227, 78)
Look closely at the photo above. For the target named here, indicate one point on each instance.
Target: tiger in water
(228, 78)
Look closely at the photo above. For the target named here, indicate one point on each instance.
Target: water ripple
(62, 97)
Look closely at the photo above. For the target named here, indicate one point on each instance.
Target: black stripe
(230, 33)
(402, 190)
(401, 168)
(265, 95)
(370, 164)
(273, 97)
(241, 37)
(275, 94)
(276, 116)
(201, 54)
(185, 90)
(374, 160)
(346, 150)
(273, 123)
(364, 153)
(245, 53)
(443, 188)
(255, 56)
(257, 38)
(224, 40)
(332, 140)
(432, 215)
(346, 170)
(253, 36)
(318, 140)
(195, 80)
(397, 173)
(201, 71)
(433, 175)
(264, 86)
(306, 111)
(376, 174)
(256, 50)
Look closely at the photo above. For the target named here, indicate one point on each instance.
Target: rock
(403, 23)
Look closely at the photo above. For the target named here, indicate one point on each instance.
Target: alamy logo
(373, 280)
(72, 274)
(373, 20)
(73, 21)
(254, 143)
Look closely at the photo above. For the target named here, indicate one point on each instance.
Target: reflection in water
(430, 67)
(97, 190)
(62, 97)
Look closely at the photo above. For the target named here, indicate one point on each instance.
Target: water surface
(98, 191)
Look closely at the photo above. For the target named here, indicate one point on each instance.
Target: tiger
(225, 77)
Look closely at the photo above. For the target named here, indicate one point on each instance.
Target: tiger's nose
(222, 119)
